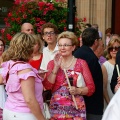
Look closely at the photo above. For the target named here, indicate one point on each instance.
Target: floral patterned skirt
(62, 106)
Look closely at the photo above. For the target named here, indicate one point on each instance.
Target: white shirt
(47, 56)
(112, 112)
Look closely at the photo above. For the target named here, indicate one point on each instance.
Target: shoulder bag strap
(7, 76)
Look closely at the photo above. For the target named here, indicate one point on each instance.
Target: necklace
(69, 64)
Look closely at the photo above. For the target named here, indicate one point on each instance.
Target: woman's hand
(117, 87)
(118, 80)
(73, 90)
(118, 84)
(57, 59)
(42, 73)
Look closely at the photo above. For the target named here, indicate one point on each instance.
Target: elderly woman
(62, 106)
(108, 67)
(23, 84)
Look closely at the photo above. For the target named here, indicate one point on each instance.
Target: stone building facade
(96, 12)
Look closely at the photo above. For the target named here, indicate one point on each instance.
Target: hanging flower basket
(38, 13)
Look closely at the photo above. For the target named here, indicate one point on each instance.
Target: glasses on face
(1, 45)
(116, 48)
(65, 45)
(49, 33)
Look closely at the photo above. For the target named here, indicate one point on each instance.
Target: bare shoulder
(24, 71)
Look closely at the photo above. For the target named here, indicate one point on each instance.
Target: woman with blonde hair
(62, 106)
(23, 84)
(108, 67)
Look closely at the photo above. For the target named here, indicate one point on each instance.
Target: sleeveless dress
(36, 63)
(109, 67)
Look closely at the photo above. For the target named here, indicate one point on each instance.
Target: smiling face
(65, 47)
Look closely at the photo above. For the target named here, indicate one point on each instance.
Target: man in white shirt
(49, 34)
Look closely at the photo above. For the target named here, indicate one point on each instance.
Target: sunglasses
(116, 48)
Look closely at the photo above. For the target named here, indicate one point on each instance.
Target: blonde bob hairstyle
(69, 35)
(110, 44)
(21, 48)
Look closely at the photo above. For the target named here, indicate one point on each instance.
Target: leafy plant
(38, 13)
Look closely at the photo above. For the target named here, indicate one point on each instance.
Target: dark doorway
(116, 16)
(5, 5)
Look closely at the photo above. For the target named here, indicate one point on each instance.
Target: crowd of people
(83, 76)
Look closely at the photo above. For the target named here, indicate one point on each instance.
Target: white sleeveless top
(109, 67)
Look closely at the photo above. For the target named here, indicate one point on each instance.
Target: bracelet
(54, 73)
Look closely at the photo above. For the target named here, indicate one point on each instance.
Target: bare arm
(57, 61)
(28, 90)
(1, 80)
(105, 82)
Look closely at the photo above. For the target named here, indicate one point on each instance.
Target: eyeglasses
(1, 45)
(65, 45)
(49, 33)
(116, 48)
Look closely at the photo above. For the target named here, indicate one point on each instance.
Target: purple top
(102, 60)
(15, 100)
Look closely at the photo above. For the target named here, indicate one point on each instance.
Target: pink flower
(38, 30)
(9, 14)
(9, 37)
(17, 2)
(42, 22)
(41, 5)
(2, 30)
(7, 24)
(38, 19)
(6, 19)
(37, 14)
(13, 19)
(84, 19)
(65, 28)
(24, 16)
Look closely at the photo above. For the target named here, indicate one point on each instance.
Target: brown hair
(108, 31)
(49, 25)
